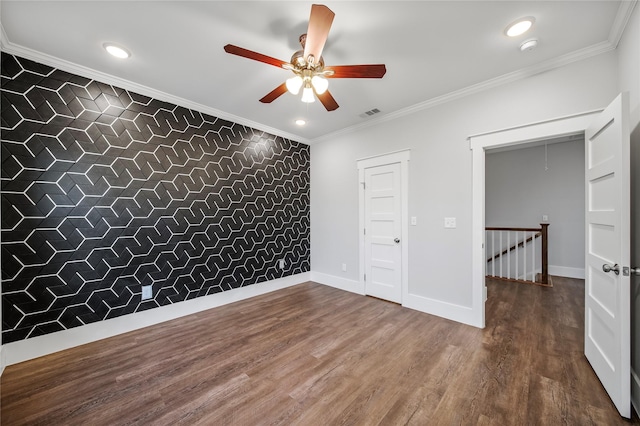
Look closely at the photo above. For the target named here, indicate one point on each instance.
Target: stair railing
(519, 254)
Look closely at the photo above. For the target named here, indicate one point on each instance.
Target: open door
(607, 295)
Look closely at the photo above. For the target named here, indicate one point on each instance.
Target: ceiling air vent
(369, 113)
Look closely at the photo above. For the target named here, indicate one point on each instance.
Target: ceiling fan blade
(319, 25)
(357, 71)
(327, 100)
(250, 54)
(274, 94)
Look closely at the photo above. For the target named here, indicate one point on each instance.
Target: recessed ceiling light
(301, 122)
(117, 51)
(528, 45)
(520, 26)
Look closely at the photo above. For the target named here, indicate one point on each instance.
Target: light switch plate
(449, 222)
(414, 221)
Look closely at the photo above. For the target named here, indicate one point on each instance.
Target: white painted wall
(521, 186)
(629, 78)
(440, 174)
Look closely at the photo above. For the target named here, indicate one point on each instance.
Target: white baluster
(517, 250)
(501, 255)
(493, 250)
(524, 254)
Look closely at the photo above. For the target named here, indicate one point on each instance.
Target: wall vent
(369, 113)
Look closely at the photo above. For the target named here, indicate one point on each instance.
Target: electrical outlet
(344, 267)
(545, 218)
(281, 263)
(414, 221)
(449, 222)
(147, 292)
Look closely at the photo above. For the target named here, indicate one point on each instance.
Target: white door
(383, 230)
(607, 297)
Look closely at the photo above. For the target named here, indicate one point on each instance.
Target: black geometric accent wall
(104, 191)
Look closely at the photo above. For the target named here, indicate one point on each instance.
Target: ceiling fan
(307, 65)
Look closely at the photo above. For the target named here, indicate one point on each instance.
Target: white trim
(566, 271)
(345, 284)
(635, 391)
(478, 287)
(574, 124)
(459, 313)
(3, 360)
(526, 133)
(495, 133)
(403, 158)
(620, 23)
(384, 159)
(34, 347)
(102, 77)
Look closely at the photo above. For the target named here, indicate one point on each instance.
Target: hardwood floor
(314, 355)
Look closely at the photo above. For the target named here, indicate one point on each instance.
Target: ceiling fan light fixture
(520, 26)
(320, 84)
(294, 84)
(307, 95)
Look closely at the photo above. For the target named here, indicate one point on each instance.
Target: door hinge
(365, 277)
(364, 185)
(365, 231)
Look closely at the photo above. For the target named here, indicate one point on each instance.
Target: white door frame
(401, 157)
(563, 126)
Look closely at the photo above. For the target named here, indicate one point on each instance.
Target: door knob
(608, 268)
(397, 240)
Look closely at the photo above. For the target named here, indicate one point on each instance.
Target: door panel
(607, 297)
(383, 226)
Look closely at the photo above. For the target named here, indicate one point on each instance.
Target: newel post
(545, 252)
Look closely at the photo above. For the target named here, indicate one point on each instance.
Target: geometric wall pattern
(104, 190)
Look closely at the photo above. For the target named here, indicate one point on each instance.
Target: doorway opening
(534, 210)
(480, 144)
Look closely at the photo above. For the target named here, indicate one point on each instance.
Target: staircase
(519, 254)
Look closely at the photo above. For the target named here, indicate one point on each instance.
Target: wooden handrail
(493, 228)
(543, 232)
(545, 252)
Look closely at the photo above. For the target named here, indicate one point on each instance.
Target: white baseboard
(3, 360)
(566, 271)
(338, 282)
(635, 391)
(23, 350)
(458, 313)
(462, 314)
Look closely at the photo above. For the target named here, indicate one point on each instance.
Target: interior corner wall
(629, 78)
(523, 184)
(440, 174)
(105, 191)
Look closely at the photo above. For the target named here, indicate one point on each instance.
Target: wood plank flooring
(314, 355)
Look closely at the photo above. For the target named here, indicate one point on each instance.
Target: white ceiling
(433, 50)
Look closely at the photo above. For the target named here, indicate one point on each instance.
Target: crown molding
(560, 61)
(102, 77)
(620, 23)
